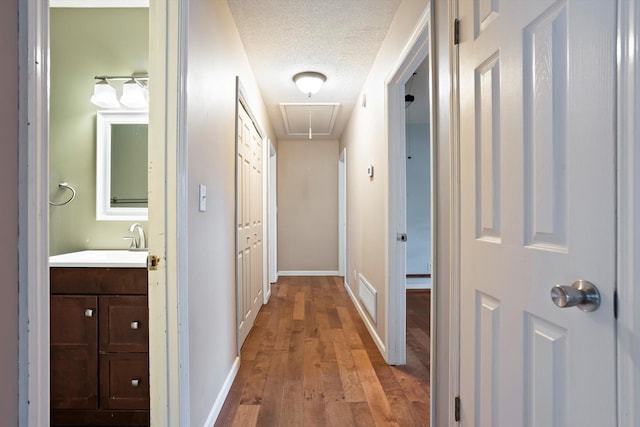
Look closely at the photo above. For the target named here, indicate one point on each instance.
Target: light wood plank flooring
(310, 361)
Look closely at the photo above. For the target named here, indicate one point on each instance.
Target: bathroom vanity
(99, 339)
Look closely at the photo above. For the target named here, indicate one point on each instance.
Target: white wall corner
(224, 391)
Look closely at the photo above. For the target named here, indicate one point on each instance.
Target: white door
(249, 217)
(537, 92)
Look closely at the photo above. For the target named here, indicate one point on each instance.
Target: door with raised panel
(74, 352)
(249, 223)
(537, 194)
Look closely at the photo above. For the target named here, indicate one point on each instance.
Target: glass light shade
(133, 95)
(309, 82)
(104, 95)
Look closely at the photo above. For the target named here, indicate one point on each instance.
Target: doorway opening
(418, 206)
(415, 56)
(98, 151)
(342, 214)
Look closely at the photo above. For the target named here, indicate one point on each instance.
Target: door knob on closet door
(581, 294)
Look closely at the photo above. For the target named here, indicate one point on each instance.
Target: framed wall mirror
(121, 165)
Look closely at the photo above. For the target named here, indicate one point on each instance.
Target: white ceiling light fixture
(134, 92)
(309, 82)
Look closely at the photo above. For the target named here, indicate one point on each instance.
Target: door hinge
(152, 262)
(456, 31)
(456, 409)
(615, 304)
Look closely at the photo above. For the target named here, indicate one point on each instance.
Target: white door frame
(33, 333)
(415, 52)
(266, 225)
(168, 290)
(342, 213)
(628, 162)
(273, 215)
(167, 302)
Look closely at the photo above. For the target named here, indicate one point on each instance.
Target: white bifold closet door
(249, 224)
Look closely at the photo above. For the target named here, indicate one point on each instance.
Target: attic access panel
(299, 117)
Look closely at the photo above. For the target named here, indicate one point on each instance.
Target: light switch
(203, 197)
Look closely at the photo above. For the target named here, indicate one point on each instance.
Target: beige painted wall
(9, 215)
(86, 43)
(216, 57)
(366, 140)
(308, 205)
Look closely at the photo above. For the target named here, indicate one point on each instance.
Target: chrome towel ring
(68, 187)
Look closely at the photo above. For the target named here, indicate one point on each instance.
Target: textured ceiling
(339, 38)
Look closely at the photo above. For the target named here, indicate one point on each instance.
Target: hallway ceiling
(339, 38)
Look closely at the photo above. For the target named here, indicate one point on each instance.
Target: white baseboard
(307, 273)
(99, 3)
(217, 406)
(367, 322)
(418, 283)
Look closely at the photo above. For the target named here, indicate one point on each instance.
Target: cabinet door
(124, 381)
(74, 352)
(124, 324)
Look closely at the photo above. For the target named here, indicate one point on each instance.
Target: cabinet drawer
(112, 281)
(123, 324)
(124, 381)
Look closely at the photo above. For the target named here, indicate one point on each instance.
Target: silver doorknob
(581, 293)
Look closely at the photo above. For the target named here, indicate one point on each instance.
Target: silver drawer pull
(135, 325)
(135, 382)
(88, 312)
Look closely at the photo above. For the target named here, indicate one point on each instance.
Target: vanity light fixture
(134, 92)
(104, 95)
(309, 82)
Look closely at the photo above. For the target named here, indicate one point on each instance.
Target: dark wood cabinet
(74, 352)
(99, 347)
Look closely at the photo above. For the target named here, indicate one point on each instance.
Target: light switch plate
(202, 207)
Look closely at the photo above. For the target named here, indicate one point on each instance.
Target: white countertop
(101, 258)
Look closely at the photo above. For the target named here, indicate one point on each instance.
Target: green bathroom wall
(86, 43)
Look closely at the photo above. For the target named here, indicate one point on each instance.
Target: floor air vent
(368, 296)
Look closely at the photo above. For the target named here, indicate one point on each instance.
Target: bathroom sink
(100, 258)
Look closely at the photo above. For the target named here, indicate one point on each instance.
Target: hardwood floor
(310, 361)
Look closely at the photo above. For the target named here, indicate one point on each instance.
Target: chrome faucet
(137, 237)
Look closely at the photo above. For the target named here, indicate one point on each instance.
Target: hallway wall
(366, 141)
(216, 56)
(9, 217)
(308, 206)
